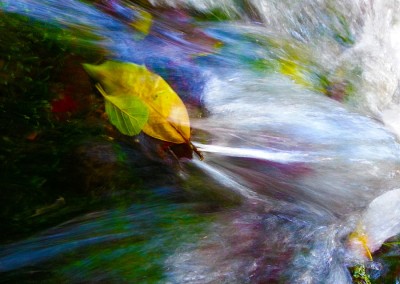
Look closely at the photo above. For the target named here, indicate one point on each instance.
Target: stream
(295, 106)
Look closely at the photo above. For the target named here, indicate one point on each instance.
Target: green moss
(33, 143)
(360, 275)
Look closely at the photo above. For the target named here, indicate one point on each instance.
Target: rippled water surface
(294, 105)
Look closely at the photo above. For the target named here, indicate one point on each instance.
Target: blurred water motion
(294, 106)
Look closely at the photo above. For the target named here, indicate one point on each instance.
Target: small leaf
(142, 23)
(128, 114)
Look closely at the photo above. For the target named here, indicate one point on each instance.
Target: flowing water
(299, 130)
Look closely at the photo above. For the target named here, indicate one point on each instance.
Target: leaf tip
(92, 70)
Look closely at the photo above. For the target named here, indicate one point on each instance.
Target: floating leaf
(128, 114)
(143, 22)
(168, 118)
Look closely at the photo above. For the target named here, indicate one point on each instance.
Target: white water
(352, 157)
(374, 24)
(306, 167)
(300, 152)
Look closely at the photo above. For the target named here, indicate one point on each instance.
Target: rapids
(300, 175)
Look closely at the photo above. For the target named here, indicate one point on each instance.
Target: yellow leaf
(143, 23)
(359, 238)
(168, 118)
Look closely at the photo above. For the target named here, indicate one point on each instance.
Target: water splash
(306, 167)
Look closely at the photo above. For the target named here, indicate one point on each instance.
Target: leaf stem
(197, 151)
